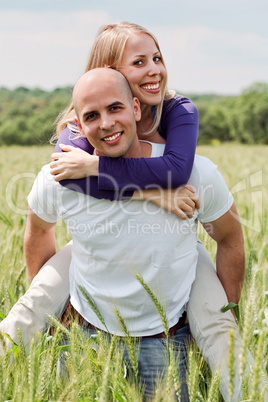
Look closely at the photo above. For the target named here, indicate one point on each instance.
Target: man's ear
(79, 125)
(137, 108)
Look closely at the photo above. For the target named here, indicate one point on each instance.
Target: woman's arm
(87, 185)
(181, 201)
(179, 125)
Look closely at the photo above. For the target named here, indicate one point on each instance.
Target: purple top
(178, 125)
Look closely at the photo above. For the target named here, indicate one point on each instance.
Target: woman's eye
(138, 62)
(157, 59)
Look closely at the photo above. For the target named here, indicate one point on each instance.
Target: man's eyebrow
(84, 115)
(116, 103)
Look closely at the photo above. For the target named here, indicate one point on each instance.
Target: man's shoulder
(45, 182)
(214, 195)
(204, 171)
(203, 162)
(44, 176)
(45, 169)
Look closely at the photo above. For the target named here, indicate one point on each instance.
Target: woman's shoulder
(175, 102)
(178, 107)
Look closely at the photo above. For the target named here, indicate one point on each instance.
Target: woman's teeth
(155, 86)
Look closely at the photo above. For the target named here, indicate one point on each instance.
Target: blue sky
(209, 46)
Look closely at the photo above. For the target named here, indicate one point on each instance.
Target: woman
(132, 50)
(135, 52)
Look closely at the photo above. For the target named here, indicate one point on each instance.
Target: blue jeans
(152, 357)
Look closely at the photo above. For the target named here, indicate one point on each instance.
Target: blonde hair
(107, 51)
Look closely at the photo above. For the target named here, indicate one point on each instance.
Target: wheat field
(100, 376)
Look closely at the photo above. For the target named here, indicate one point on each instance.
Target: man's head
(106, 111)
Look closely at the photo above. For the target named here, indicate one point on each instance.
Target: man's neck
(139, 149)
(143, 149)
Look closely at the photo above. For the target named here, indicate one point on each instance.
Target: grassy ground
(100, 376)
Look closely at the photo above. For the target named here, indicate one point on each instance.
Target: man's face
(107, 117)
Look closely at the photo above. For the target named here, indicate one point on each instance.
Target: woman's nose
(153, 69)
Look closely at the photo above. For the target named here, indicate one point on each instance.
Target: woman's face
(143, 68)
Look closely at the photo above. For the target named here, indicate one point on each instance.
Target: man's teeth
(113, 137)
(156, 86)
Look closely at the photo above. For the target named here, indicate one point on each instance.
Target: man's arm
(230, 260)
(39, 243)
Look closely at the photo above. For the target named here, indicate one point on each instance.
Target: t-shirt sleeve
(179, 125)
(43, 196)
(214, 195)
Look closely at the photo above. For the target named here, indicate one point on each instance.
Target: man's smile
(112, 137)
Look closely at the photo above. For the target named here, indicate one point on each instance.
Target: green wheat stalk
(192, 377)
(69, 389)
(118, 379)
(104, 396)
(93, 305)
(169, 393)
(231, 364)
(245, 339)
(57, 324)
(32, 372)
(156, 302)
(257, 368)
(213, 395)
(174, 372)
(245, 387)
(43, 378)
(129, 341)
(21, 343)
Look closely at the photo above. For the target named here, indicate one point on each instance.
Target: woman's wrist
(93, 166)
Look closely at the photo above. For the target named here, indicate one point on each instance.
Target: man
(113, 242)
(110, 265)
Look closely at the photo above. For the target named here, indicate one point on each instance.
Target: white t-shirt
(113, 241)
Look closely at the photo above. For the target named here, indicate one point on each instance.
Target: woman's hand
(73, 163)
(181, 201)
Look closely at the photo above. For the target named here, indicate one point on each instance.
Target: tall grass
(96, 368)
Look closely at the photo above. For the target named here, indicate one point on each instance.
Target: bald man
(117, 246)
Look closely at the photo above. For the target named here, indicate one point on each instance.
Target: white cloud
(48, 49)
(51, 49)
(204, 59)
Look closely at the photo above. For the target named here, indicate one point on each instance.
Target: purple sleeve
(67, 137)
(119, 177)
(88, 185)
(179, 125)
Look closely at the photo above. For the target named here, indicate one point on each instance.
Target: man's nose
(106, 122)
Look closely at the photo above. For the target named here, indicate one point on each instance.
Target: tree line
(27, 116)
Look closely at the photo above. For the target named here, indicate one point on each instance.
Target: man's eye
(90, 116)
